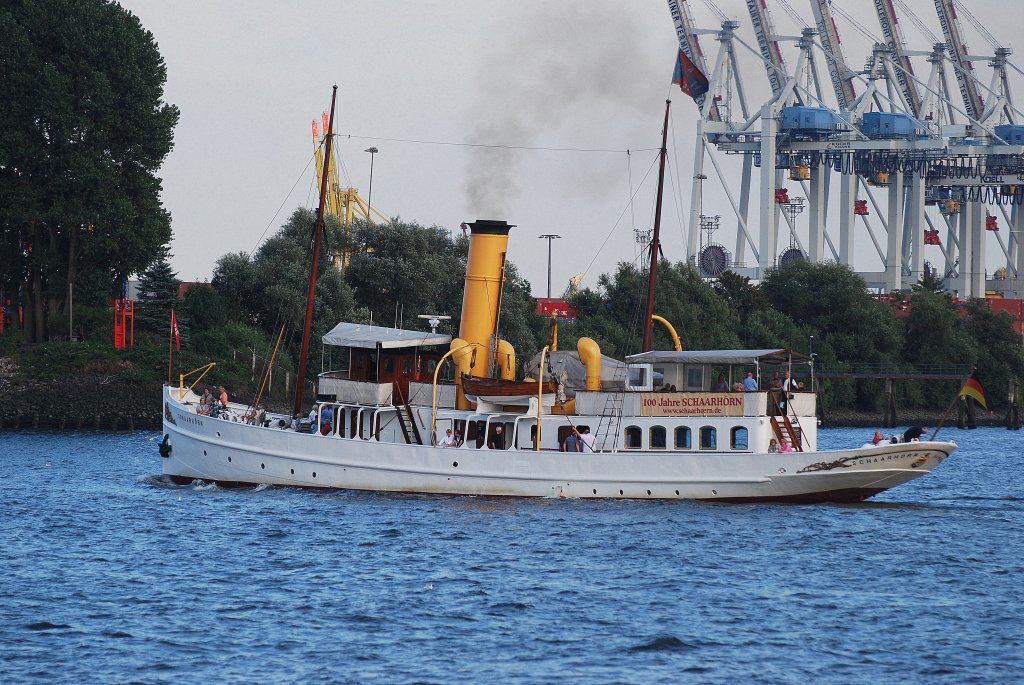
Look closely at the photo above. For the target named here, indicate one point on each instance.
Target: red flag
(174, 330)
(691, 80)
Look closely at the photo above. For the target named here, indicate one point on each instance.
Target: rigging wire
(619, 219)
(490, 146)
(985, 33)
(916, 20)
(716, 10)
(629, 174)
(273, 218)
(788, 9)
(864, 31)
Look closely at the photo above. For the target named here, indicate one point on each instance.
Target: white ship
(655, 427)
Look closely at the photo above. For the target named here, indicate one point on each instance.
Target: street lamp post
(369, 191)
(549, 237)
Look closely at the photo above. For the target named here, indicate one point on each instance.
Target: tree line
(84, 130)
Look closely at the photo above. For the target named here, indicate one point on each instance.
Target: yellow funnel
(484, 272)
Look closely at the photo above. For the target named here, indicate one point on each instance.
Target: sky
(571, 92)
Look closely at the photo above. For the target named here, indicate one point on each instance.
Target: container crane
(767, 42)
(898, 50)
(689, 43)
(960, 56)
(842, 77)
(343, 203)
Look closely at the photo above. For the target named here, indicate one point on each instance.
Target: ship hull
(230, 453)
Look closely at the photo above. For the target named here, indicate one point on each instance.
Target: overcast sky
(425, 81)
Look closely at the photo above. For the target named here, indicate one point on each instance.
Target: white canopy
(364, 335)
(722, 357)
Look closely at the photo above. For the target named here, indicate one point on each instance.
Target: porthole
(204, 454)
(595, 491)
(314, 474)
(229, 458)
(714, 492)
(455, 464)
(218, 434)
(620, 492)
(263, 466)
(648, 492)
(677, 493)
(293, 473)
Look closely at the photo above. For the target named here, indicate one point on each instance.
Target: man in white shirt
(587, 439)
(448, 440)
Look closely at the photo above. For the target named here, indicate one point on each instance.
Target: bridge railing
(889, 370)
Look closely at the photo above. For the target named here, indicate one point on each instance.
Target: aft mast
(318, 229)
(656, 238)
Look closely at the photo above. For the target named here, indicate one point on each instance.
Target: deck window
(683, 438)
(738, 438)
(633, 437)
(657, 438)
(708, 438)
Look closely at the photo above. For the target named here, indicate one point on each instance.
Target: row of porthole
(264, 466)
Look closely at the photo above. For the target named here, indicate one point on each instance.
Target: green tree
(851, 327)
(1000, 355)
(269, 288)
(83, 130)
(402, 266)
(158, 295)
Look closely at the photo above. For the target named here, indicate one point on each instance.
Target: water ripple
(112, 574)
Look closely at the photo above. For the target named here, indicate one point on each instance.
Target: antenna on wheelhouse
(318, 229)
(652, 275)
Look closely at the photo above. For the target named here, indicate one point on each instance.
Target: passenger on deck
(205, 403)
(223, 397)
(750, 383)
(587, 440)
(572, 442)
(326, 415)
(786, 447)
(458, 438)
(497, 438)
(773, 446)
(776, 382)
(448, 440)
(721, 385)
(914, 433)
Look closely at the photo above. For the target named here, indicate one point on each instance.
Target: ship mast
(652, 276)
(318, 229)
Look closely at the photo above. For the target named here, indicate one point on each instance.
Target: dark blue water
(110, 575)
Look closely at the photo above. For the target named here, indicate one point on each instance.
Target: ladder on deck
(787, 428)
(606, 434)
(406, 420)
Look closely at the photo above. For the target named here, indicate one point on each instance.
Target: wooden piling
(889, 413)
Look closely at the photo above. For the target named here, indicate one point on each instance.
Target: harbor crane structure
(341, 202)
(908, 158)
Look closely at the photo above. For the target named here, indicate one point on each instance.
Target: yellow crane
(343, 203)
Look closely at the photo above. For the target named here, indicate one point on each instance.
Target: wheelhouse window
(632, 437)
(683, 438)
(738, 438)
(657, 438)
(708, 438)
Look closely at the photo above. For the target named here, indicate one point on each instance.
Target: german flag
(972, 388)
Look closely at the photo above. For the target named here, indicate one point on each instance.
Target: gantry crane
(343, 203)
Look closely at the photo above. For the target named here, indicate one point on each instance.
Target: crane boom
(764, 29)
(954, 35)
(690, 45)
(898, 50)
(842, 78)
